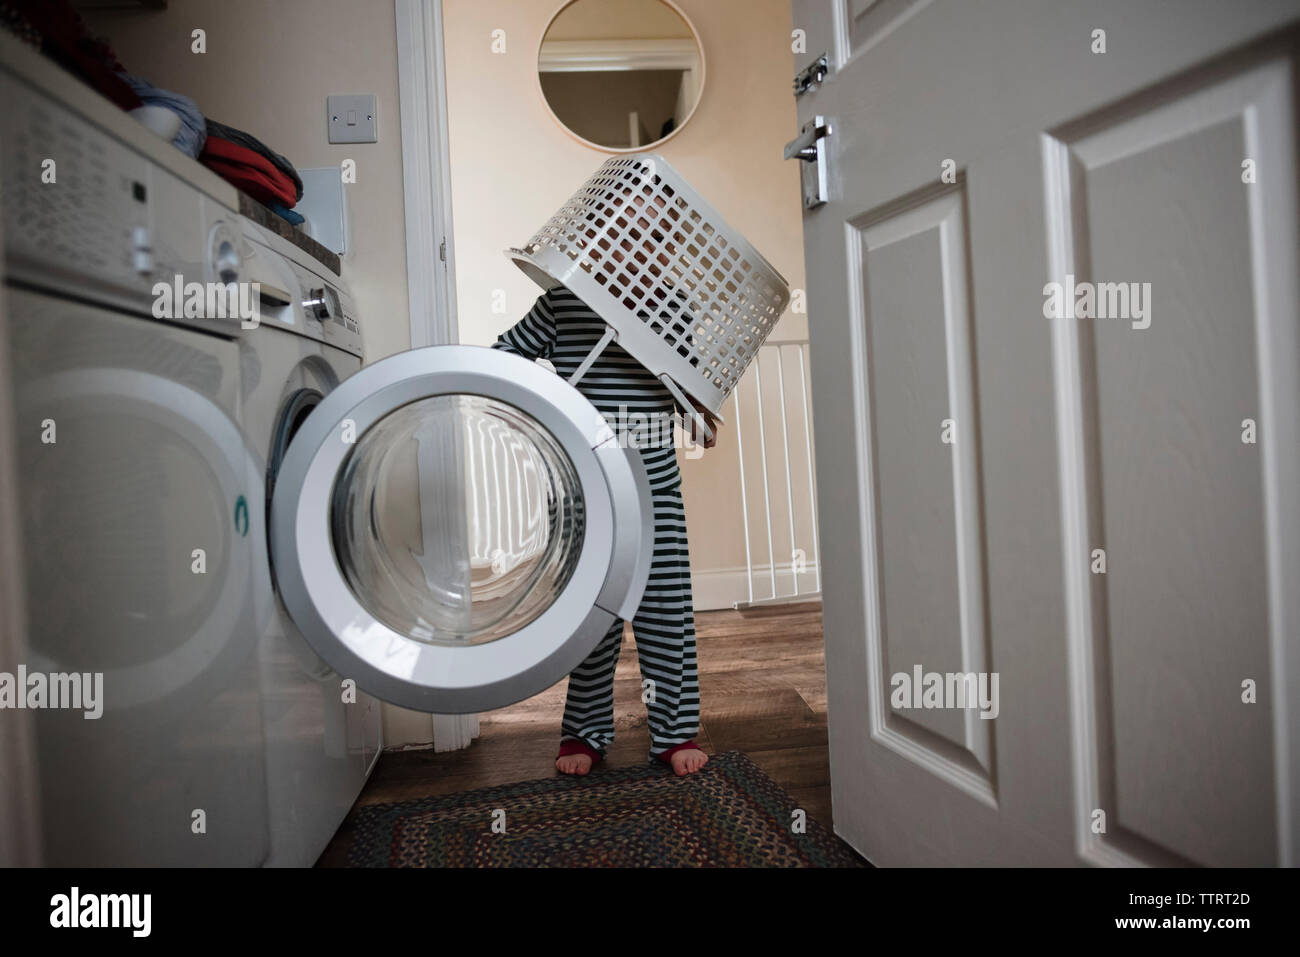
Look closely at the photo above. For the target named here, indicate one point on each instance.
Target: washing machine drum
(455, 528)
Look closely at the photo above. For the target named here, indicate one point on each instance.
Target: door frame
(426, 165)
(426, 193)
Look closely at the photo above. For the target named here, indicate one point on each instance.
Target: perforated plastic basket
(685, 294)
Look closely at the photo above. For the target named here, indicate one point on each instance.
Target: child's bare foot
(576, 757)
(573, 764)
(688, 761)
(685, 758)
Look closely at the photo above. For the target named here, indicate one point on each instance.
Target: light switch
(352, 118)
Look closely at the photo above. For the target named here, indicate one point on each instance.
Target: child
(562, 329)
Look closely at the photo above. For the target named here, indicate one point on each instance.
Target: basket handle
(701, 425)
(610, 334)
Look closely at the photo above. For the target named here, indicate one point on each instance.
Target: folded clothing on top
(251, 172)
(288, 215)
(193, 132)
(251, 142)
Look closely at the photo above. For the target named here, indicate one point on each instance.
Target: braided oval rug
(730, 814)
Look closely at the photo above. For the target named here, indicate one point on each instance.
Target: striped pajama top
(563, 329)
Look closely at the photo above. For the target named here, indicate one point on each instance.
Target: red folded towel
(250, 171)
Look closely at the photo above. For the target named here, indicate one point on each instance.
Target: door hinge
(810, 147)
(811, 76)
(442, 250)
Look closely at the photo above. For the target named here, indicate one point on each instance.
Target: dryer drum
(295, 412)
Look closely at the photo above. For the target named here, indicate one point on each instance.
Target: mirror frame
(655, 144)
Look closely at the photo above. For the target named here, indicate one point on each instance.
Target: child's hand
(707, 441)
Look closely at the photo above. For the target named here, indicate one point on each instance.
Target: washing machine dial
(320, 303)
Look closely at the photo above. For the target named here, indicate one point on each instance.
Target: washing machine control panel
(87, 214)
(304, 301)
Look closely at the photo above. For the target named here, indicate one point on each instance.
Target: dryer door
(455, 528)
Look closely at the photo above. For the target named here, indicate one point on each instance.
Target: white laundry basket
(684, 293)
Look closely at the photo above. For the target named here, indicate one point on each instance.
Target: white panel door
(1101, 508)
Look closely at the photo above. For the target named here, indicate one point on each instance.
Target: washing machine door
(455, 528)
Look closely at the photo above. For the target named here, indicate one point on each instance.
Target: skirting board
(715, 588)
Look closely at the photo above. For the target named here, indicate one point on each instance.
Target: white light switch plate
(352, 118)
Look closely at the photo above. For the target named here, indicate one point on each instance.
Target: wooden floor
(762, 691)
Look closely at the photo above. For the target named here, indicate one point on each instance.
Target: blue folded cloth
(287, 214)
(194, 128)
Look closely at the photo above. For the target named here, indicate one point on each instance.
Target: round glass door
(455, 528)
(457, 519)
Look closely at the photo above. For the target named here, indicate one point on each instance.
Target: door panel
(867, 22)
(1120, 692)
(1160, 475)
(929, 534)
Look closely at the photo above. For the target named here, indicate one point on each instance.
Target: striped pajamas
(563, 330)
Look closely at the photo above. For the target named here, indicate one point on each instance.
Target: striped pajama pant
(563, 330)
(664, 628)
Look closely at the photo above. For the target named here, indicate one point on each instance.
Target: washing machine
(138, 491)
(323, 735)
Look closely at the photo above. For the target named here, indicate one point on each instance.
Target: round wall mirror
(621, 75)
